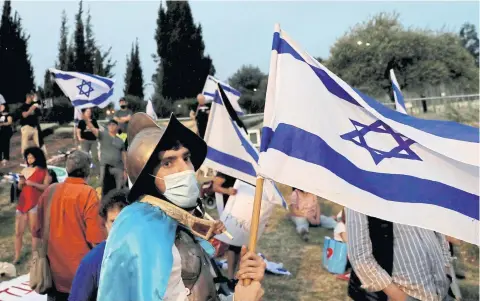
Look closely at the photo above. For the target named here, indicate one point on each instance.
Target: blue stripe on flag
(216, 99)
(64, 76)
(399, 96)
(108, 82)
(231, 161)
(440, 128)
(96, 101)
(248, 147)
(300, 144)
(231, 90)
(209, 94)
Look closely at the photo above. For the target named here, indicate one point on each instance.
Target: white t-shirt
(339, 228)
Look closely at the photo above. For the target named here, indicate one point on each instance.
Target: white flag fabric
(150, 111)
(397, 94)
(84, 90)
(210, 90)
(231, 152)
(77, 115)
(348, 148)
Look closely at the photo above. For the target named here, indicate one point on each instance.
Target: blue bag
(334, 255)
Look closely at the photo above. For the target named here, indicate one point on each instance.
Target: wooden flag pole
(257, 206)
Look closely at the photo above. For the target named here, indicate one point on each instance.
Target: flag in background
(397, 94)
(348, 148)
(150, 111)
(210, 90)
(229, 149)
(84, 90)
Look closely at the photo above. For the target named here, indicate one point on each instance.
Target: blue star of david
(402, 151)
(82, 90)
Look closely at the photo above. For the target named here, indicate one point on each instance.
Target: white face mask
(181, 188)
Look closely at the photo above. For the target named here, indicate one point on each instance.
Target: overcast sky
(235, 33)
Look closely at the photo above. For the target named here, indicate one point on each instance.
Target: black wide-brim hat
(146, 140)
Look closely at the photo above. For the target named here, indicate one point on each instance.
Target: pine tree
(16, 72)
(48, 85)
(180, 47)
(81, 56)
(134, 74)
(90, 47)
(71, 56)
(62, 60)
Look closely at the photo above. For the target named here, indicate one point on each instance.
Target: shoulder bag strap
(46, 218)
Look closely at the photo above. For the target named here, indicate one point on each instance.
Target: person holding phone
(29, 122)
(34, 179)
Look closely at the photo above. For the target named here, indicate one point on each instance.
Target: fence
(438, 104)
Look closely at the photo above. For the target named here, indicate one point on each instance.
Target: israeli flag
(344, 146)
(210, 92)
(229, 149)
(151, 111)
(397, 94)
(84, 90)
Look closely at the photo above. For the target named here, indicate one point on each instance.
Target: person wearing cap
(156, 249)
(75, 227)
(113, 156)
(123, 116)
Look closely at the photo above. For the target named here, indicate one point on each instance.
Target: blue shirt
(85, 283)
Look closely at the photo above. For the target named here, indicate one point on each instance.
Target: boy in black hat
(157, 246)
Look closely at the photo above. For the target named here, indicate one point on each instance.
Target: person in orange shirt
(75, 226)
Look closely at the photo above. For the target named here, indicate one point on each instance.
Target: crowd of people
(157, 246)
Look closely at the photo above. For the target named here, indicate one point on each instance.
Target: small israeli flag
(397, 94)
(84, 90)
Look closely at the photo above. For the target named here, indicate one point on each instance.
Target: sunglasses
(198, 226)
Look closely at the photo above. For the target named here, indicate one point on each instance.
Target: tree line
(424, 61)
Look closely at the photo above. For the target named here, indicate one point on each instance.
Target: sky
(235, 33)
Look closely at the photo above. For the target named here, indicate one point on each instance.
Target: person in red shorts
(33, 181)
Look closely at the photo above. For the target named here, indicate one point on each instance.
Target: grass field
(279, 243)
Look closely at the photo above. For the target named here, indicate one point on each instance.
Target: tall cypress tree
(90, 46)
(180, 47)
(81, 56)
(16, 72)
(50, 88)
(134, 74)
(62, 59)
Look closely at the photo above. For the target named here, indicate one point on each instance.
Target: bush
(61, 112)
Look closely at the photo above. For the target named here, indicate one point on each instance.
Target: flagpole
(257, 206)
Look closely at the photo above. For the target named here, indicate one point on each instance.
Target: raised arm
(28, 112)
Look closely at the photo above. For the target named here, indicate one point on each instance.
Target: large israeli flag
(230, 151)
(397, 94)
(210, 91)
(346, 147)
(84, 90)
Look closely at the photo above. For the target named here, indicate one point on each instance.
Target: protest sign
(18, 289)
(237, 215)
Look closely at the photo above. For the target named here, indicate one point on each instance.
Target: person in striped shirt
(396, 262)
